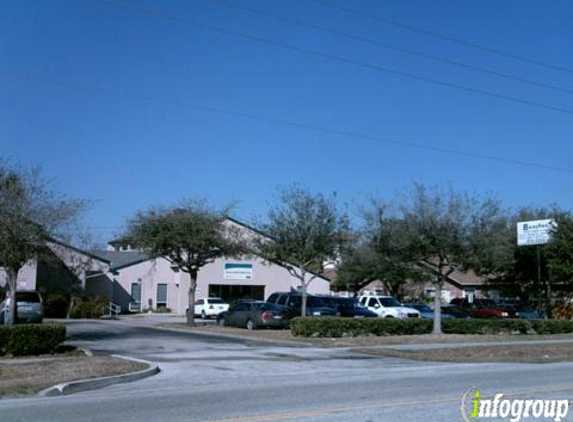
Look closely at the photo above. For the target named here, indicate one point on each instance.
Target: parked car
(388, 307)
(455, 312)
(483, 308)
(210, 307)
(348, 307)
(426, 311)
(522, 311)
(30, 308)
(252, 315)
(315, 306)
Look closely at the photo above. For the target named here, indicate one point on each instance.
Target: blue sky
(125, 107)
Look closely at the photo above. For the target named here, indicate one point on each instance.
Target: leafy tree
(190, 236)
(31, 213)
(559, 254)
(380, 255)
(513, 269)
(437, 226)
(306, 230)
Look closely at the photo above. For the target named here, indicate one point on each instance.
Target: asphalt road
(214, 379)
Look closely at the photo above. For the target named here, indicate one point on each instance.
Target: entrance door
(230, 293)
(161, 300)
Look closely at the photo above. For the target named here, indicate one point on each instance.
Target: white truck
(388, 307)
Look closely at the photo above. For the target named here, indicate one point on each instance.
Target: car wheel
(203, 315)
(250, 325)
(221, 322)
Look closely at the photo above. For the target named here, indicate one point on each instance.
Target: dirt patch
(29, 376)
(62, 351)
(286, 336)
(528, 353)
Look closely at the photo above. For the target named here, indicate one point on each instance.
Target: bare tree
(305, 231)
(31, 213)
(190, 236)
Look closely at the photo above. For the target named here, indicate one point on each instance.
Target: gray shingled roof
(120, 259)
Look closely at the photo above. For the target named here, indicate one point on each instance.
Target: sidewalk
(432, 346)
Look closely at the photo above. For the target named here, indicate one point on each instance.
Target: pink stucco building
(135, 282)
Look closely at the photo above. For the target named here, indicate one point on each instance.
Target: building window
(161, 301)
(136, 292)
(470, 295)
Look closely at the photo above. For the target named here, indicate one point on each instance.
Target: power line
(442, 36)
(392, 47)
(339, 59)
(282, 122)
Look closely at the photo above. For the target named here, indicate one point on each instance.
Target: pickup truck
(388, 307)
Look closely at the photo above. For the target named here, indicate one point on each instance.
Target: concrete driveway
(215, 379)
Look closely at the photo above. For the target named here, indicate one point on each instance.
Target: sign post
(537, 232)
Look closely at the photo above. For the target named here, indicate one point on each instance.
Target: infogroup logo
(475, 407)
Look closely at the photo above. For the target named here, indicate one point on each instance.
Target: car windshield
(350, 303)
(315, 302)
(485, 303)
(311, 301)
(216, 301)
(30, 297)
(421, 307)
(389, 302)
(264, 306)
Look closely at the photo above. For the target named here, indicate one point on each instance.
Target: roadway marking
(333, 410)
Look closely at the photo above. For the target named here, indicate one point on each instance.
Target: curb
(284, 343)
(72, 387)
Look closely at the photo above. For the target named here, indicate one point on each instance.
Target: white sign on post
(536, 232)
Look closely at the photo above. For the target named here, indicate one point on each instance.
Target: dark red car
(483, 308)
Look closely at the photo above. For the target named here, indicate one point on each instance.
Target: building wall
(153, 272)
(26, 277)
(273, 277)
(148, 274)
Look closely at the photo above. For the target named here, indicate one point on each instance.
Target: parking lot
(207, 378)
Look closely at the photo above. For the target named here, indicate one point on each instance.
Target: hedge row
(352, 327)
(30, 339)
(552, 326)
(89, 307)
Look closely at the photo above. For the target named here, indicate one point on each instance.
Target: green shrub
(552, 326)
(56, 305)
(563, 311)
(162, 310)
(352, 327)
(89, 307)
(482, 326)
(30, 339)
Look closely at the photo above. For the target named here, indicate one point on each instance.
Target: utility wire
(278, 121)
(441, 36)
(332, 57)
(392, 47)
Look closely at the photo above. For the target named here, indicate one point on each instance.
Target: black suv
(315, 306)
(348, 307)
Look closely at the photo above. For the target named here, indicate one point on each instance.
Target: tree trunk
(303, 299)
(71, 307)
(12, 280)
(438, 309)
(191, 307)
